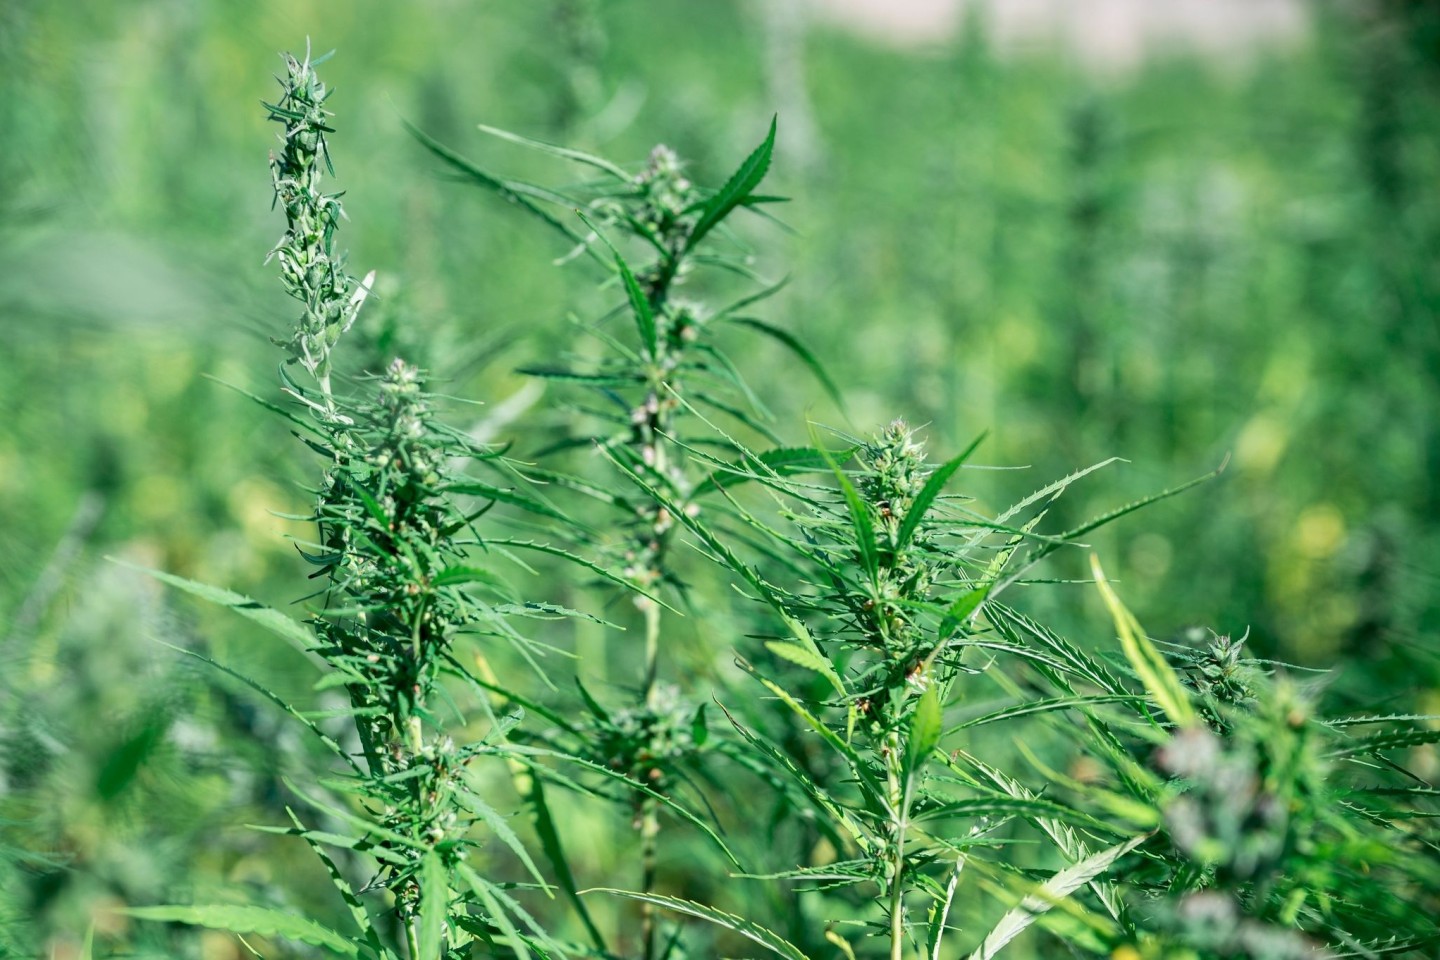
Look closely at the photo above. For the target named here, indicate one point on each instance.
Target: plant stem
(652, 651)
(900, 798)
(649, 847)
(649, 809)
(897, 917)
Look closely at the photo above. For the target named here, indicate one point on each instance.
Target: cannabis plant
(407, 580)
(882, 586)
(1201, 819)
(967, 778)
(647, 386)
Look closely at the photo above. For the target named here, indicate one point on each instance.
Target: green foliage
(809, 699)
(398, 550)
(885, 585)
(266, 922)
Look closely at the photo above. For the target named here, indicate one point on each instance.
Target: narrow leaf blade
(751, 931)
(929, 492)
(253, 610)
(1158, 676)
(259, 920)
(1057, 888)
(797, 347)
(640, 306)
(926, 726)
(740, 185)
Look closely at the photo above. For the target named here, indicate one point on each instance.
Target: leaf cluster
(960, 773)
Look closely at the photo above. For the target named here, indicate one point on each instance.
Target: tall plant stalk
(676, 361)
(397, 545)
(398, 550)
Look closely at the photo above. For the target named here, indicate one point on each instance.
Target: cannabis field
(663, 481)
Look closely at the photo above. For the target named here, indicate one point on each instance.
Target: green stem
(652, 651)
(649, 849)
(660, 427)
(897, 921)
(649, 809)
(897, 903)
(900, 802)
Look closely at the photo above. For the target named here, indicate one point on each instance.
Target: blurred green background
(1175, 258)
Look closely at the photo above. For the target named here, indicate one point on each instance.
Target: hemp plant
(407, 579)
(1288, 834)
(1190, 806)
(881, 585)
(890, 591)
(647, 384)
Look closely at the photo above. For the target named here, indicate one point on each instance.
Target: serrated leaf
(1052, 491)
(276, 699)
(554, 850)
(501, 828)
(854, 870)
(461, 574)
(639, 303)
(740, 185)
(771, 941)
(836, 811)
(508, 190)
(358, 844)
(261, 920)
(857, 763)
(1068, 657)
(372, 506)
(493, 906)
(575, 376)
(1033, 808)
(253, 610)
(724, 371)
(863, 525)
(1044, 706)
(478, 488)
(726, 556)
(927, 495)
(555, 150)
(926, 726)
(959, 611)
(798, 348)
(781, 461)
(800, 656)
(309, 426)
(1382, 718)
(740, 414)
(1057, 888)
(640, 307)
(1064, 835)
(590, 565)
(370, 827)
(1110, 516)
(527, 755)
(1137, 813)
(764, 293)
(358, 913)
(1389, 740)
(940, 911)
